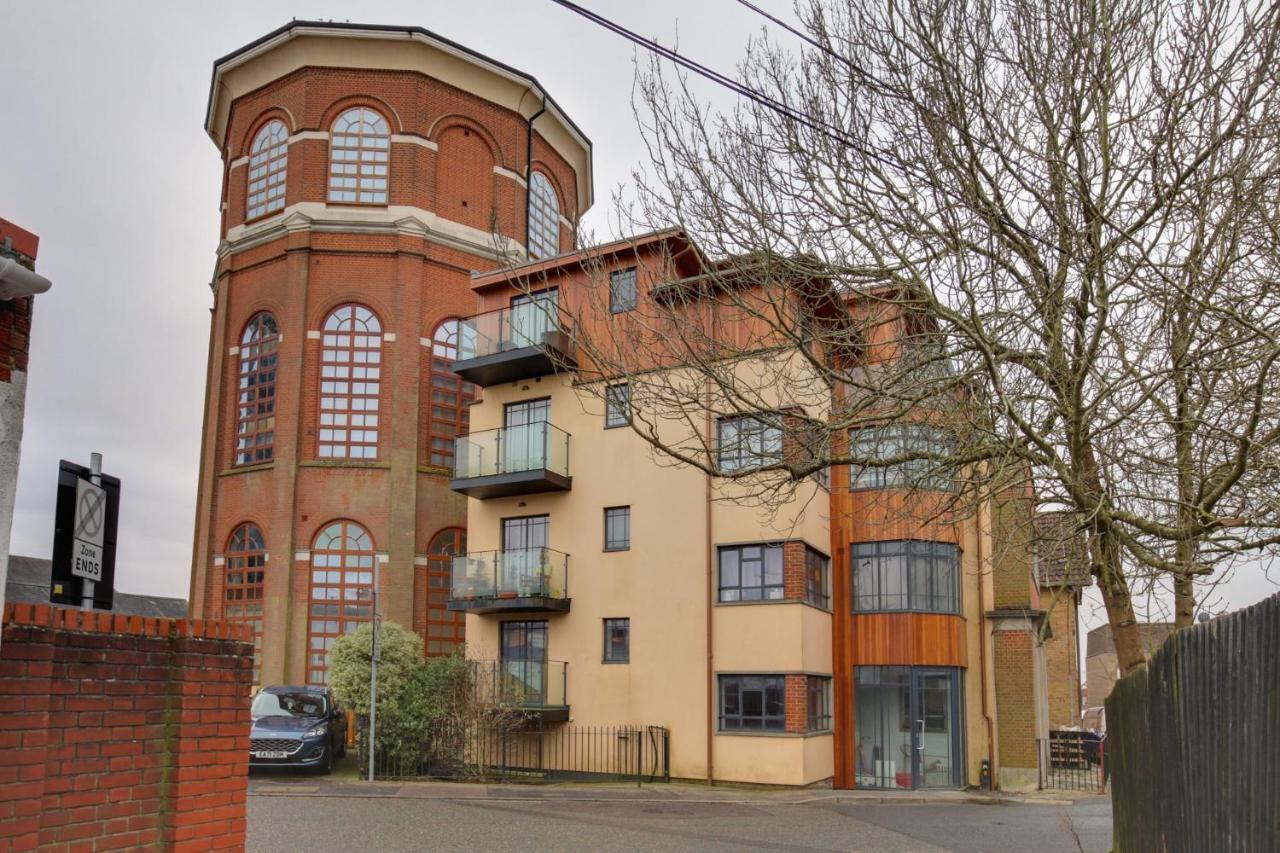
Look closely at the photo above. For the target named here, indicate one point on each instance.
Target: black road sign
(84, 537)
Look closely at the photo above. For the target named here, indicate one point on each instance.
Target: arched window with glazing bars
(341, 597)
(244, 585)
(359, 157)
(268, 170)
(449, 397)
(350, 384)
(256, 391)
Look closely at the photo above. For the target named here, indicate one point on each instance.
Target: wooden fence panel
(1194, 740)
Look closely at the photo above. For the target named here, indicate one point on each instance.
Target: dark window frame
(743, 689)
(617, 405)
(818, 718)
(920, 561)
(749, 449)
(620, 301)
(610, 544)
(766, 589)
(915, 473)
(611, 653)
(818, 595)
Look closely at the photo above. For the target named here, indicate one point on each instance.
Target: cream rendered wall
(661, 585)
(978, 592)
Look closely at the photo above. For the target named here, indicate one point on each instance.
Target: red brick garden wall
(122, 732)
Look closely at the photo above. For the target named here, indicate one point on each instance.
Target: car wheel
(326, 765)
(342, 748)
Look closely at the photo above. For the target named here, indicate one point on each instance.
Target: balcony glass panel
(515, 573)
(522, 683)
(524, 325)
(532, 447)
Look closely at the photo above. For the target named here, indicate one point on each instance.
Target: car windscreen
(288, 705)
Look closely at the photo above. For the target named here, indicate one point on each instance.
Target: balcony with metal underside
(510, 344)
(530, 580)
(520, 460)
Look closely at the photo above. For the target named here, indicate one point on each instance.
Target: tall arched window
(268, 157)
(242, 601)
(359, 152)
(350, 379)
(544, 218)
(256, 390)
(450, 396)
(341, 590)
(445, 628)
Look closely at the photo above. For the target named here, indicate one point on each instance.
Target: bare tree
(1052, 228)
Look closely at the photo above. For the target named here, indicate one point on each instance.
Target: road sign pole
(95, 477)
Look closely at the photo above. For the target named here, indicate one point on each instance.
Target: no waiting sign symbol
(89, 530)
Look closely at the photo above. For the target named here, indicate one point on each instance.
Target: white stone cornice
(507, 173)
(411, 139)
(308, 134)
(319, 217)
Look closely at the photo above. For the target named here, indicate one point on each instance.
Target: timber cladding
(1193, 739)
(907, 639)
(122, 732)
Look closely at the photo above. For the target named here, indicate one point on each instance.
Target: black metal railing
(530, 752)
(1072, 760)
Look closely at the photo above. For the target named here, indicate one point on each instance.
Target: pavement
(340, 813)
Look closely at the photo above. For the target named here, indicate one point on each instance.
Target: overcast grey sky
(104, 156)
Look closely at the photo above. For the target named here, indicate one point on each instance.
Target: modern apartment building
(367, 172)
(842, 636)
(397, 401)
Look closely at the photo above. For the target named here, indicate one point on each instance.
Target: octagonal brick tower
(368, 172)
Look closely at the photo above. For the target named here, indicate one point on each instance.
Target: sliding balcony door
(524, 543)
(532, 316)
(524, 437)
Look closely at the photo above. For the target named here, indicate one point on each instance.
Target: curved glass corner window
(268, 159)
(896, 440)
(350, 381)
(544, 218)
(906, 575)
(359, 155)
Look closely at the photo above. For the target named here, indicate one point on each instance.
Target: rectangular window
(617, 406)
(906, 575)
(819, 703)
(622, 290)
(617, 528)
(894, 442)
(751, 573)
(753, 703)
(815, 578)
(748, 442)
(617, 640)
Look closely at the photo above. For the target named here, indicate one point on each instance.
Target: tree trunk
(1184, 601)
(1115, 594)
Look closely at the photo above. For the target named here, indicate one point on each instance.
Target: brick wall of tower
(450, 147)
(1062, 660)
(1015, 690)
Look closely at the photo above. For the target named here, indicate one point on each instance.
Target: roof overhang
(300, 44)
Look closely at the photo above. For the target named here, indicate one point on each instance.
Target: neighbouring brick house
(18, 285)
(122, 732)
(1102, 667)
(1062, 573)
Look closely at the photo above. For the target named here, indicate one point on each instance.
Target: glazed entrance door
(524, 662)
(907, 726)
(936, 736)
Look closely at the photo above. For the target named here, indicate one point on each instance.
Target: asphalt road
(388, 823)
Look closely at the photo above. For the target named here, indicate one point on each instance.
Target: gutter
(16, 281)
(528, 173)
(982, 658)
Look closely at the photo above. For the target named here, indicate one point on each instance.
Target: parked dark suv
(296, 727)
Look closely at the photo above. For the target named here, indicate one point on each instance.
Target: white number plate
(271, 754)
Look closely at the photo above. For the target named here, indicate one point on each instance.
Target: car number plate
(272, 753)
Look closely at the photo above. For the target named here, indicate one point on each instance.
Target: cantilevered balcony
(521, 342)
(537, 687)
(519, 579)
(521, 460)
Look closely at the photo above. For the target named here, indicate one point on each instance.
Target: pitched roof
(1061, 551)
(28, 581)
